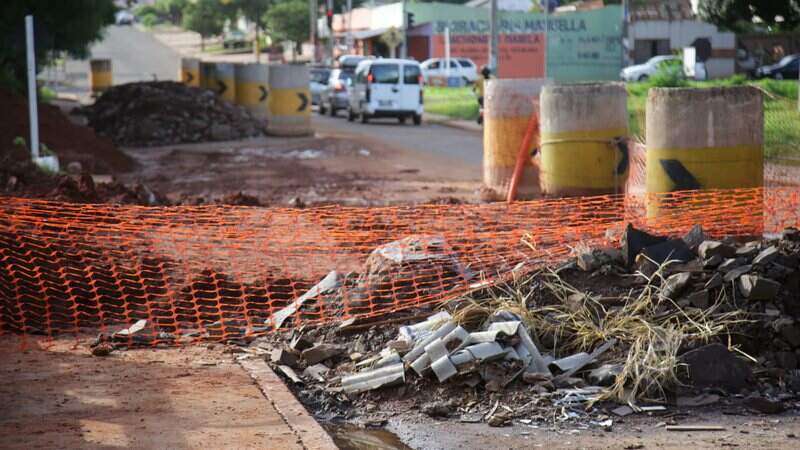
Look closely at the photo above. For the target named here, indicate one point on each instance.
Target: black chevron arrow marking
(680, 175)
(303, 101)
(222, 87)
(263, 93)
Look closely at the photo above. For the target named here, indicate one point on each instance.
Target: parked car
(349, 62)
(319, 80)
(334, 96)
(386, 88)
(124, 17)
(786, 69)
(641, 72)
(234, 39)
(459, 67)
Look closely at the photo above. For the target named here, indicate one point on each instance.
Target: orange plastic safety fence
(220, 272)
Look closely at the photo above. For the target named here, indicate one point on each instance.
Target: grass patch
(455, 103)
(781, 118)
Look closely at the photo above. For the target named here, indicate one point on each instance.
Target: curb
(308, 431)
(460, 124)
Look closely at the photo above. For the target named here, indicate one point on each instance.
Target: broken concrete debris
(482, 369)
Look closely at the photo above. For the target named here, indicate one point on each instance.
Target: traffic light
(409, 19)
(329, 17)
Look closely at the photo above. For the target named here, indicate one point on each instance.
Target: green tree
(737, 15)
(58, 26)
(255, 11)
(206, 17)
(289, 21)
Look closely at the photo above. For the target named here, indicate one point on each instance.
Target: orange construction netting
(222, 272)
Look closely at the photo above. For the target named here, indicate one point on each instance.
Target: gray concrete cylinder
(289, 101)
(580, 126)
(705, 138)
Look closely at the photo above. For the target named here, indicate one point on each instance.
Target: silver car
(334, 96)
(319, 80)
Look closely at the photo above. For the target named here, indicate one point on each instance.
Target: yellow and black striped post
(252, 90)
(289, 101)
(225, 81)
(508, 104)
(190, 72)
(584, 130)
(703, 139)
(207, 75)
(100, 77)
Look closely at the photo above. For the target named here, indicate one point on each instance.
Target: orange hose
(522, 155)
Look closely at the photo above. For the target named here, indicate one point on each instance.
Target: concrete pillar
(100, 76)
(225, 80)
(190, 72)
(705, 139)
(584, 130)
(252, 90)
(289, 101)
(207, 75)
(508, 104)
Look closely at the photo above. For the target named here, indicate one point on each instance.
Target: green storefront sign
(581, 46)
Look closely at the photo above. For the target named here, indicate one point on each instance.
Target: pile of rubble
(679, 321)
(165, 112)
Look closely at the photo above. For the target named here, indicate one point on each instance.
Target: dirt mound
(20, 177)
(69, 141)
(166, 112)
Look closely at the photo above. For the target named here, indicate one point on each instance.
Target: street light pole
(33, 113)
(493, 62)
(312, 12)
(404, 49)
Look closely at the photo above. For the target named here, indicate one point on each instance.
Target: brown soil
(55, 394)
(69, 141)
(300, 172)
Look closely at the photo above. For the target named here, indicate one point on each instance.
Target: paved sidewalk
(55, 394)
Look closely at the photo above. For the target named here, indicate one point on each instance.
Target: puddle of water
(348, 437)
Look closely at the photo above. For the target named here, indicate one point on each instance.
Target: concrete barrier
(584, 129)
(252, 90)
(189, 73)
(100, 75)
(289, 101)
(207, 75)
(704, 139)
(508, 104)
(225, 81)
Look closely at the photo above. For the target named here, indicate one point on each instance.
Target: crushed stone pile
(166, 112)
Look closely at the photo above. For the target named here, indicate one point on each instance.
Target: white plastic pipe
(447, 53)
(32, 109)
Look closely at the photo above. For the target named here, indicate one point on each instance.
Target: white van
(386, 88)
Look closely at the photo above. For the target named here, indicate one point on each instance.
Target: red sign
(519, 55)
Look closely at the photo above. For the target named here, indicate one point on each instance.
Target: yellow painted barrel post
(207, 75)
(584, 129)
(225, 80)
(190, 72)
(508, 104)
(252, 90)
(100, 77)
(703, 139)
(289, 101)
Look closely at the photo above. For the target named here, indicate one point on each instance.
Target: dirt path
(330, 168)
(56, 395)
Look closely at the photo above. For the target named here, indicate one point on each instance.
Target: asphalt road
(135, 56)
(440, 140)
(138, 56)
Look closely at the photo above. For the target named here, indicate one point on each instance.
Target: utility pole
(404, 49)
(329, 18)
(493, 61)
(313, 7)
(33, 113)
(350, 26)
